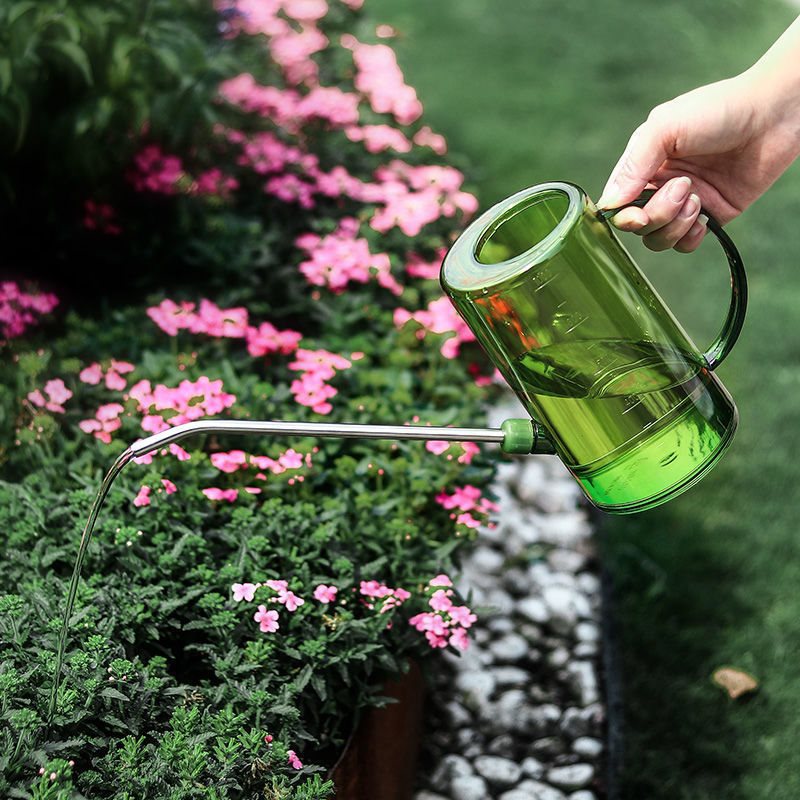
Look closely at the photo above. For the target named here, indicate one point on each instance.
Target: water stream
(86, 539)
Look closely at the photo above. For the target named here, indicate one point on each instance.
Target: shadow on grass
(675, 597)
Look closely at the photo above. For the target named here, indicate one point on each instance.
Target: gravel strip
(520, 715)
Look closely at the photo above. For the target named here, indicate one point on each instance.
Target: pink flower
(290, 600)
(246, 592)
(325, 594)
(92, 374)
(437, 446)
(440, 318)
(214, 182)
(425, 137)
(278, 586)
(342, 257)
(106, 421)
(230, 462)
(379, 77)
(169, 486)
(57, 394)
(294, 760)
(20, 310)
(461, 615)
(459, 639)
(267, 620)
(229, 495)
(179, 452)
(291, 459)
(440, 600)
(470, 449)
(467, 519)
(440, 580)
(378, 138)
(417, 267)
(155, 171)
(143, 497)
(374, 589)
(266, 338)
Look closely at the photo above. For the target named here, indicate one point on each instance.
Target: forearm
(774, 82)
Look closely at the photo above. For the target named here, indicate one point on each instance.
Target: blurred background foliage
(546, 90)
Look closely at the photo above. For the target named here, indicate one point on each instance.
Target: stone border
(521, 714)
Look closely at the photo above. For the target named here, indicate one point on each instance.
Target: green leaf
(76, 56)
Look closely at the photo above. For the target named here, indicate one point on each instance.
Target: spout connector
(524, 436)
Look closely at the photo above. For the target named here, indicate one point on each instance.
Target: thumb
(645, 153)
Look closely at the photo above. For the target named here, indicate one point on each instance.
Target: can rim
(463, 271)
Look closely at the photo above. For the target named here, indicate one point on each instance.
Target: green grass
(533, 90)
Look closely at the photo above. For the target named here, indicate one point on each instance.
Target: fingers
(692, 239)
(646, 151)
(668, 218)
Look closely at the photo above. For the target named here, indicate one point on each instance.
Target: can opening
(522, 227)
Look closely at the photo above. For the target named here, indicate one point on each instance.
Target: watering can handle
(724, 343)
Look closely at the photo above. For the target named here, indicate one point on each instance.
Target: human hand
(722, 146)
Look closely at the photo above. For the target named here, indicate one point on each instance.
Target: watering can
(631, 406)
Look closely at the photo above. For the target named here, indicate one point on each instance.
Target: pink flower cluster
(20, 310)
(188, 401)
(95, 373)
(418, 267)
(288, 108)
(236, 460)
(441, 318)
(445, 623)
(54, 396)
(417, 196)
(214, 182)
(469, 449)
(341, 257)
(105, 421)
(316, 367)
(232, 323)
(100, 217)
(294, 761)
(268, 618)
(209, 318)
(291, 48)
(155, 171)
(392, 598)
(378, 138)
(469, 501)
(379, 78)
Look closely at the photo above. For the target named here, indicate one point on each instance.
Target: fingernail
(610, 198)
(697, 228)
(703, 220)
(690, 207)
(679, 189)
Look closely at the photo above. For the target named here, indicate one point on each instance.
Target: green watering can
(628, 402)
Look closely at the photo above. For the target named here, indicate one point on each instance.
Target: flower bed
(242, 600)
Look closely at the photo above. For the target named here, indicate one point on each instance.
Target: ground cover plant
(274, 255)
(709, 579)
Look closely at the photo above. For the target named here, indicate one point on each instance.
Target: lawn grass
(534, 90)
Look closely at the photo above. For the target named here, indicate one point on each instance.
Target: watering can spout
(517, 436)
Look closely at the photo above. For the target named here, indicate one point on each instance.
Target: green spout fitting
(524, 436)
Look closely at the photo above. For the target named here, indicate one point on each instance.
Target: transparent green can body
(633, 408)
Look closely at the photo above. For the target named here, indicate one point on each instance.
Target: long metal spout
(521, 436)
